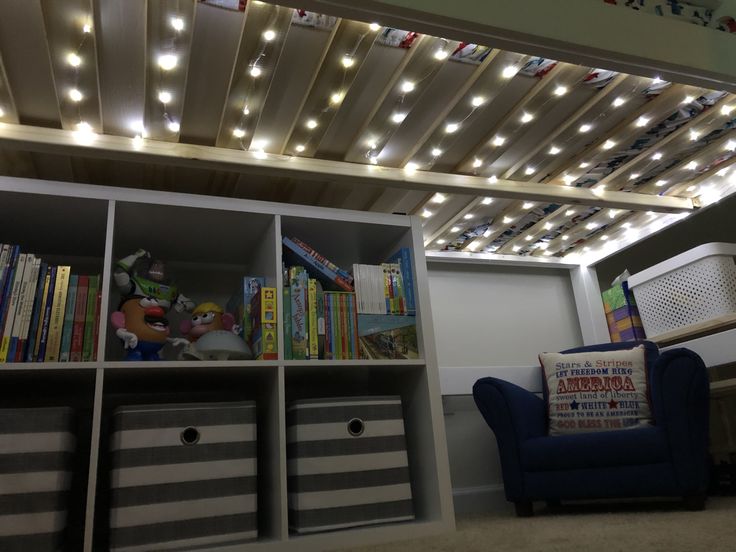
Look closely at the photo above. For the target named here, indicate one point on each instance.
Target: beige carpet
(597, 527)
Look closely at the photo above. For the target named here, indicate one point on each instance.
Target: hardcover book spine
(8, 286)
(19, 308)
(57, 313)
(387, 287)
(354, 324)
(328, 326)
(42, 314)
(343, 328)
(80, 310)
(66, 331)
(287, 323)
(47, 316)
(299, 321)
(4, 258)
(37, 313)
(28, 301)
(89, 320)
(403, 257)
(14, 296)
(313, 330)
(96, 336)
(320, 321)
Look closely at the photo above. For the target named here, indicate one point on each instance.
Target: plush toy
(142, 325)
(212, 334)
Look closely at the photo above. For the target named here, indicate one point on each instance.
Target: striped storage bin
(347, 463)
(183, 476)
(36, 453)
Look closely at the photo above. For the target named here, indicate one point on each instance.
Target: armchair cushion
(596, 390)
(627, 447)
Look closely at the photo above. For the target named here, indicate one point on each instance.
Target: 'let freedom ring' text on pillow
(596, 391)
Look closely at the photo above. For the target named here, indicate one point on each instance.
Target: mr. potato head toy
(142, 325)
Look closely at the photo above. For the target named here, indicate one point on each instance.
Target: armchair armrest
(680, 397)
(514, 414)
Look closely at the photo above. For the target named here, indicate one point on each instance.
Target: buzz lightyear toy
(140, 321)
(139, 275)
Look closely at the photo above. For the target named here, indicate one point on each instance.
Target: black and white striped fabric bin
(347, 463)
(36, 458)
(183, 476)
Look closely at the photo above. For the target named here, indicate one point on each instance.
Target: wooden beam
(150, 151)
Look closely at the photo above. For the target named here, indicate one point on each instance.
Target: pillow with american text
(596, 391)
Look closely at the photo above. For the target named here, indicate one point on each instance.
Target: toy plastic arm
(126, 263)
(130, 340)
(121, 274)
(183, 303)
(177, 341)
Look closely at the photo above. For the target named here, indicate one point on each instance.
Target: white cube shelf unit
(209, 243)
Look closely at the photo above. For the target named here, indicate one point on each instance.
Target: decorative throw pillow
(596, 391)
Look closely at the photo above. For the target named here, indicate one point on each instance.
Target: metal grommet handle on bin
(190, 436)
(356, 427)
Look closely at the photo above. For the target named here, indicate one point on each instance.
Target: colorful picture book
(317, 265)
(42, 316)
(254, 307)
(387, 337)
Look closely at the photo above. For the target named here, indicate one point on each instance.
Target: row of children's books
(387, 288)
(318, 324)
(47, 314)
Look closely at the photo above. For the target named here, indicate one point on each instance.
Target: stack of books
(47, 314)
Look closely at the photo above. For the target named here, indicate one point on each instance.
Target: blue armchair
(669, 458)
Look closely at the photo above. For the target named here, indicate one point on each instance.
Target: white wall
(492, 321)
(500, 316)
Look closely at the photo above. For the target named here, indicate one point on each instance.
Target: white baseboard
(481, 499)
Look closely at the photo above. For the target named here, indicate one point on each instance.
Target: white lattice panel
(696, 292)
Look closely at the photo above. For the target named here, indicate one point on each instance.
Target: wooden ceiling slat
(419, 67)
(303, 53)
(351, 38)
(64, 21)
(436, 99)
(246, 91)
(477, 150)
(215, 39)
(379, 68)
(582, 114)
(27, 63)
(7, 104)
(163, 39)
(121, 56)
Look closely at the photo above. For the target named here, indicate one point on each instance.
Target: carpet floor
(608, 527)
